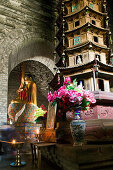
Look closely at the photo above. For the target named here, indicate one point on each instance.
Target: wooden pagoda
(84, 49)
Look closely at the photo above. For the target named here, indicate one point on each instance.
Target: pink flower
(72, 99)
(89, 96)
(50, 97)
(67, 81)
(54, 95)
(61, 88)
(62, 93)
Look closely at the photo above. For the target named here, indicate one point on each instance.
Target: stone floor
(6, 159)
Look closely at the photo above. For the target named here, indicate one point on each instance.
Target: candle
(37, 131)
(13, 141)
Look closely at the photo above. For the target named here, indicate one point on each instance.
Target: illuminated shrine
(21, 110)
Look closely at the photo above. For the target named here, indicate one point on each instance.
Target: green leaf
(70, 87)
(54, 103)
(75, 83)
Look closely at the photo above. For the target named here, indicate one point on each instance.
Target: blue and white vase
(77, 127)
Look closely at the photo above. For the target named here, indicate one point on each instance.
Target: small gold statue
(31, 90)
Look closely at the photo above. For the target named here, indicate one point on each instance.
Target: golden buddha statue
(27, 91)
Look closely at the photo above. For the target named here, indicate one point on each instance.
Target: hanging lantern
(58, 73)
(110, 38)
(63, 58)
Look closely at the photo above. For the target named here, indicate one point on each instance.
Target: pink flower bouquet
(70, 96)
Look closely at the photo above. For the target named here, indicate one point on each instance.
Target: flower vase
(77, 127)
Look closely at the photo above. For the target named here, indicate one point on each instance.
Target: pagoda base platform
(99, 119)
(99, 130)
(84, 157)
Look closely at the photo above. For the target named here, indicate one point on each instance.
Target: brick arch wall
(22, 22)
(31, 48)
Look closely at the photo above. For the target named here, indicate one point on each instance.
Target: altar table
(36, 151)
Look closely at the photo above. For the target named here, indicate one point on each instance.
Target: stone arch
(16, 42)
(33, 49)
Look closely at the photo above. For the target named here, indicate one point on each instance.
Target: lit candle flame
(13, 141)
(37, 131)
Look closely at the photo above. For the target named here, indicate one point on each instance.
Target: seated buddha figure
(27, 92)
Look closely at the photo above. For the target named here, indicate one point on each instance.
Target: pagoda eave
(87, 74)
(83, 9)
(84, 44)
(89, 25)
(79, 75)
(73, 70)
(105, 67)
(105, 75)
(75, 13)
(97, 12)
(102, 67)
